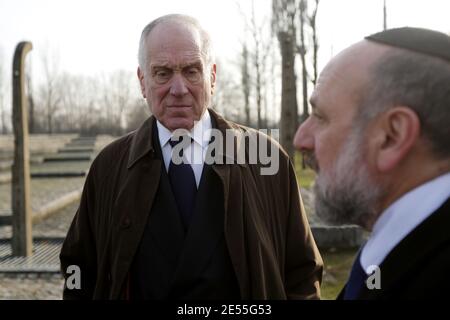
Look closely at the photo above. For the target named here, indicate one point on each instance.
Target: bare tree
(137, 113)
(228, 95)
(295, 25)
(49, 93)
(245, 81)
(117, 95)
(256, 59)
(384, 15)
(307, 20)
(284, 27)
(274, 75)
(302, 49)
(315, 41)
(76, 96)
(255, 53)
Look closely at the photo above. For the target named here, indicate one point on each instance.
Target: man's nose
(304, 140)
(178, 86)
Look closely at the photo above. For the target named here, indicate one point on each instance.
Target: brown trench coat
(266, 230)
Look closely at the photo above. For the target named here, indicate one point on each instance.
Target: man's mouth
(179, 106)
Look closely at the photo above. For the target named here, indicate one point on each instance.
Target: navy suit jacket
(419, 266)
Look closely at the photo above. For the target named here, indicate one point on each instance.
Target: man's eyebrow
(194, 63)
(159, 65)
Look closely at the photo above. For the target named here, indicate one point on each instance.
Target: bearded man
(379, 139)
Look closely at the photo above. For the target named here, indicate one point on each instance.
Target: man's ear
(213, 78)
(141, 78)
(397, 132)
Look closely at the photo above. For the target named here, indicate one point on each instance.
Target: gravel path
(31, 287)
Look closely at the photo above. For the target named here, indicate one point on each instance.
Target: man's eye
(193, 74)
(162, 75)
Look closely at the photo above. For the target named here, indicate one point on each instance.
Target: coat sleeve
(304, 265)
(79, 250)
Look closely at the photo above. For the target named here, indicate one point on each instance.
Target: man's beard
(346, 194)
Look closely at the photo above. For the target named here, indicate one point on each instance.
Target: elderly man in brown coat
(150, 227)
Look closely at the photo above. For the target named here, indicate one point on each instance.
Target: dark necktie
(356, 281)
(184, 187)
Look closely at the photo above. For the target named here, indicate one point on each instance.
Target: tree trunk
(258, 89)
(246, 84)
(288, 121)
(303, 60)
(315, 43)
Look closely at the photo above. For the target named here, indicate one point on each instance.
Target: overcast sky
(96, 36)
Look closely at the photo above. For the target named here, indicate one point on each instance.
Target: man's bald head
(350, 70)
(187, 22)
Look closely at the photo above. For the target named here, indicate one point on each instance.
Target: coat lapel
(132, 206)
(234, 226)
(132, 209)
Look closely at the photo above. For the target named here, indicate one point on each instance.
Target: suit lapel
(134, 201)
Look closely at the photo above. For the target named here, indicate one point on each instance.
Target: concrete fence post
(22, 241)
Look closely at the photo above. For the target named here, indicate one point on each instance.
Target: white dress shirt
(402, 217)
(193, 154)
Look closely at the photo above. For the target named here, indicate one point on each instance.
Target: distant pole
(22, 241)
(384, 15)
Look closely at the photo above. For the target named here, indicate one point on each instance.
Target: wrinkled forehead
(174, 36)
(355, 62)
(348, 74)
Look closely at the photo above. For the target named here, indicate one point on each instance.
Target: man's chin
(180, 123)
(331, 215)
(332, 211)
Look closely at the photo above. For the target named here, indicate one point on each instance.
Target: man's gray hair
(206, 43)
(420, 82)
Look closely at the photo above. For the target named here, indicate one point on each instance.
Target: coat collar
(142, 142)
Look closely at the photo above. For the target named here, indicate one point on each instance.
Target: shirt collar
(200, 133)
